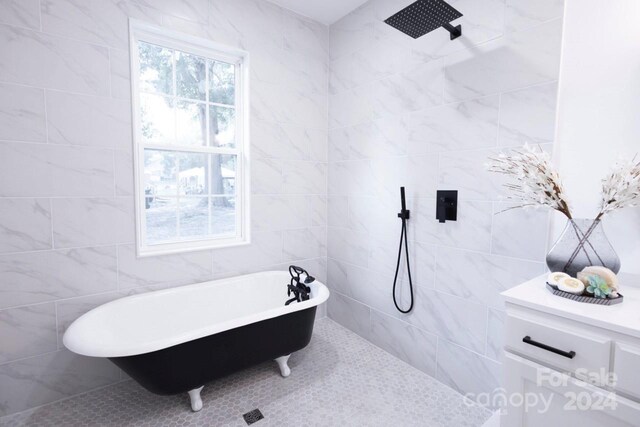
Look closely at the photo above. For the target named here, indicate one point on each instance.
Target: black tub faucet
(299, 288)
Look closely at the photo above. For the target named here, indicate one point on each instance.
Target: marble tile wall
(66, 175)
(425, 114)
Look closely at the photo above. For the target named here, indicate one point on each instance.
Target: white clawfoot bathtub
(176, 340)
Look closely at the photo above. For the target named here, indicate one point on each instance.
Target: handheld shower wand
(404, 216)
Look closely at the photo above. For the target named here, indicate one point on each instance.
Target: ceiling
(324, 11)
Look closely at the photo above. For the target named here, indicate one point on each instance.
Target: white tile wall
(22, 116)
(100, 22)
(528, 114)
(34, 277)
(104, 221)
(47, 61)
(515, 60)
(66, 170)
(51, 376)
(44, 170)
(465, 370)
(120, 74)
(460, 126)
(88, 120)
(522, 14)
(22, 13)
(35, 335)
(428, 121)
(25, 225)
(411, 344)
(482, 21)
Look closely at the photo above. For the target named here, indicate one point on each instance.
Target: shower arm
(454, 32)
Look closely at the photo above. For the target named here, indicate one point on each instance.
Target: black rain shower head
(424, 16)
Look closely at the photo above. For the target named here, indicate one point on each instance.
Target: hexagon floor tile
(340, 379)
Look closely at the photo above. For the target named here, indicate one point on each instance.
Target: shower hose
(404, 216)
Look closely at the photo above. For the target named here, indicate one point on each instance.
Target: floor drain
(253, 416)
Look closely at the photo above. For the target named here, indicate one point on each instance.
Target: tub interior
(156, 320)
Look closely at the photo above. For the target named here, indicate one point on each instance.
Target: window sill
(192, 246)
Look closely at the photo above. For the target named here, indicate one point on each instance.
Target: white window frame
(140, 31)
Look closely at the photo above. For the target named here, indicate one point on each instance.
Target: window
(191, 149)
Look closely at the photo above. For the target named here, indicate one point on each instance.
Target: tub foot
(282, 364)
(196, 401)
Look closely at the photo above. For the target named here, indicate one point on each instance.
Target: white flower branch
(621, 188)
(536, 182)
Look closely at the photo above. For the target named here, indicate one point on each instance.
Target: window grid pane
(155, 76)
(191, 76)
(190, 200)
(174, 180)
(218, 94)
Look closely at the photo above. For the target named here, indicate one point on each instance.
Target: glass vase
(582, 243)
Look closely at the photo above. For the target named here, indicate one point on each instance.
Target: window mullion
(182, 98)
(210, 200)
(174, 94)
(191, 149)
(217, 104)
(177, 178)
(208, 143)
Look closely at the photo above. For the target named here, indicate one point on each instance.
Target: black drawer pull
(567, 354)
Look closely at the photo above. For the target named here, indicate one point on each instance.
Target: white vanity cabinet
(569, 363)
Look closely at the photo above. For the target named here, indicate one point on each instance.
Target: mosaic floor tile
(338, 380)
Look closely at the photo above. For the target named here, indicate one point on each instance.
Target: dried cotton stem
(621, 188)
(535, 181)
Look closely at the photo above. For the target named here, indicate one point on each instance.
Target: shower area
(414, 105)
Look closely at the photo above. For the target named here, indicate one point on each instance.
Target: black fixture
(424, 16)
(186, 366)
(447, 205)
(404, 216)
(252, 416)
(568, 354)
(299, 289)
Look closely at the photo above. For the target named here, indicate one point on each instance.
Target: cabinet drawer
(565, 348)
(626, 366)
(559, 400)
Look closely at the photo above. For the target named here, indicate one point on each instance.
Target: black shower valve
(447, 205)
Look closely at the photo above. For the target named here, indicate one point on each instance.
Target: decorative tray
(584, 298)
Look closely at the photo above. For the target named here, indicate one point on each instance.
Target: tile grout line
(486, 332)
(131, 242)
(40, 15)
(439, 245)
(55, 307)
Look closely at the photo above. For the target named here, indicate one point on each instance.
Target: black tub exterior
(192, 364)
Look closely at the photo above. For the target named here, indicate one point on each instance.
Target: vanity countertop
(623, 318)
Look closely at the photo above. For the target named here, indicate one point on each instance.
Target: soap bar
(555, 278)
(571, 285)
